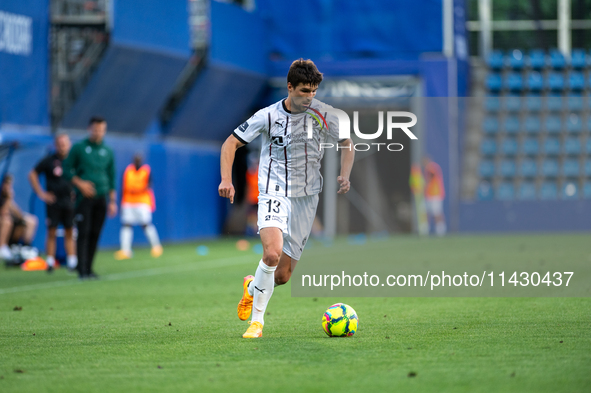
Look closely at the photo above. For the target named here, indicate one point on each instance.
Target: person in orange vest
(434, 195)
(137, 205)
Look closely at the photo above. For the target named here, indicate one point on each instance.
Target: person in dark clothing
(59, 199)
(91, 168)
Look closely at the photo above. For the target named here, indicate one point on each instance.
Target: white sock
(50, 261)
(125, 238)
(263, 285)
(72, 261)
(152, 235)
(440, 228)
(250, 287)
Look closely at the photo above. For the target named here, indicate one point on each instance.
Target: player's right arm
(226, 188)
(242, 135)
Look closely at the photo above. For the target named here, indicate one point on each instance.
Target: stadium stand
(536, 130)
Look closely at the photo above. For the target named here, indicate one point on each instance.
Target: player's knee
(271, 257)
(51, 233)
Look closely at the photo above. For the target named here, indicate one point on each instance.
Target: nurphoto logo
(392, 123)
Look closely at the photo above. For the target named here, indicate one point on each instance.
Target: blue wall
(332, 29)
(24, 75)
(152, 24)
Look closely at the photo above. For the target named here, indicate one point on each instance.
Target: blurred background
(501, 90)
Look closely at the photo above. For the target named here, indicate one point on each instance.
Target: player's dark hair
(96, 119)
(304, 72)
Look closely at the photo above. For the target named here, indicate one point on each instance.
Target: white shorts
(136, 214)
(294, 216)
(434, 206)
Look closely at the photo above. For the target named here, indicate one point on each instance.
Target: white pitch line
(138, 273)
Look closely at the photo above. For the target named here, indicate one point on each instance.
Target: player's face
(62, 145)
(301, 96)
(97, 131)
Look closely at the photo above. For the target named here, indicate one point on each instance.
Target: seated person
(20, 226)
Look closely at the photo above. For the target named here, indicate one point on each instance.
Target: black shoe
(83, 277)
(93, 276)
(49, 269)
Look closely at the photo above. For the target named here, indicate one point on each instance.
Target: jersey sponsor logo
(270, 217)
(243, 126)
(57, 171)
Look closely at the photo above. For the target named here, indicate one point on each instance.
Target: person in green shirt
(90, 167)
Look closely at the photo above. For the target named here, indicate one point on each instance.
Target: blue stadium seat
(576, 81)
(572, 146)
(527, 191)
(555, 81)
(507, 169)
(505, 191)
(488, 147)
(548, 191)
(515, 59)
(535, 82)
(528, 168)
(578, 59)
(574, 102)
(493, 82)
(530, 146)
(553, 102)
(533, 124)
(587, 190)
(537, 59)
(495, 60)
(490, 125)
(557, 60)
(574, 125)
(588, 146)
(570, 168)
(484, 192)
(553, 124)
(511, 125)
(533, 103)
(550, 168)
(487, 169)
(493, 104)
(569, 191)
(551, 146)
(587, 168)
(513, 82)
(513, 103)
(509, 147)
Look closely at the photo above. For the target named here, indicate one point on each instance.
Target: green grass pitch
(170, 325)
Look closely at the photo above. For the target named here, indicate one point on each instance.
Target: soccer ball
(340, 320)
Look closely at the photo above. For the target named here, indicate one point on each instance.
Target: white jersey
(290, 162)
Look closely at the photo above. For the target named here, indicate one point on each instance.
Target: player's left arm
(112, 205)
(347, 159)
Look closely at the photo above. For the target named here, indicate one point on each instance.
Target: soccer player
(289, 181)
(90, 167)
(59, 199)
(137, 203)
(434, 195)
